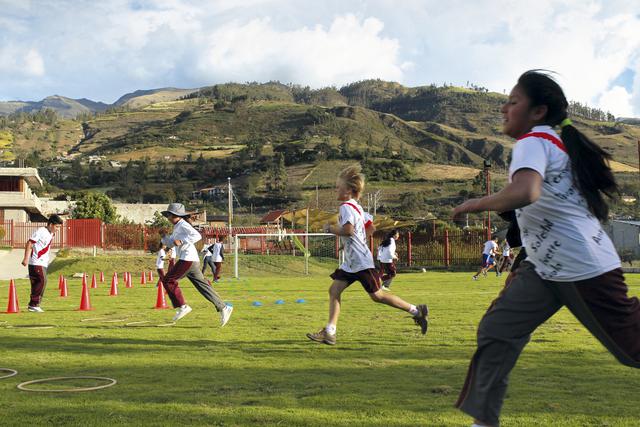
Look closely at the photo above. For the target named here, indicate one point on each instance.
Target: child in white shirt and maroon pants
(358, 264)
(185, 236)
(556, 186)
(36, 256)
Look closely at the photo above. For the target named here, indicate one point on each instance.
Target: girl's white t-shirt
(358, 257)
(563, 240)
(506, 250)
(216, 250)
(386, 253)
(160, 258)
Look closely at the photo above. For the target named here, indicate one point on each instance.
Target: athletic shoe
(422, 318)
(35, 309)
(225, 315)
(484, 274)
(181, 312)
(385, 288)
(475, 277)
(323, 336)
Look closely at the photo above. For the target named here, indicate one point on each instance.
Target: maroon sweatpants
(216, 275)
(38, 278)
(387, 270)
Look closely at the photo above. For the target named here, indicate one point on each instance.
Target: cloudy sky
(103, 49)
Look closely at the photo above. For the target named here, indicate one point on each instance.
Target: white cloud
(617, 99)
(350, 49)
(21, 62)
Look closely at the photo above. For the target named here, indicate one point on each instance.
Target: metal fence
(441, 249)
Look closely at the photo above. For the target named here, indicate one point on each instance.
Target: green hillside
(284, 144)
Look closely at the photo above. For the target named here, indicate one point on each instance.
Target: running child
(358, 263)
(488, 257)
(387, 257)
(36, 256)
(507, 258)
(217, 257)
(556, 184)
(206, 260)
(160, 258)
(184, 237)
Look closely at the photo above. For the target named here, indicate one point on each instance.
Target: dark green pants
(601, 304)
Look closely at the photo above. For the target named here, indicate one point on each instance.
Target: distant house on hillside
(210, 192)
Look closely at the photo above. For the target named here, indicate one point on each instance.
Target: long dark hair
(387, 239)
(592, 176)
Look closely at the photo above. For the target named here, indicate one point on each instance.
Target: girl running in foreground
(358, 264)
(556, 186)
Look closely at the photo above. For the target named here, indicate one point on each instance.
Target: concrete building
(625, 235)
(17, 200)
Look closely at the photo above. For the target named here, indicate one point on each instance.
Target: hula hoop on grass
(12, 372)
(143, 324)
(31, 327)
(22, 386)
(103, 320)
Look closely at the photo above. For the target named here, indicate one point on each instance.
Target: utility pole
(230, 207)
(487, 174)
(317, 198)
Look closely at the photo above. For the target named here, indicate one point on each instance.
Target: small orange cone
(63, 288)
(143, 279)
(150, 277)
(161, 302)
(12, 307)
(85, 303)
(128, 281)
(114, 286)
(101, 277)
(60, 280)
(94, 284)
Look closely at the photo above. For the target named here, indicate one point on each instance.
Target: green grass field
(262, 370)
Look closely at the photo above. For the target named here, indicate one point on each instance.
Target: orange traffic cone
(114, 286)
(128, 281)
(60, 280)
(102, 277)
(150, 277)
(85, 303)
(94, 284)
(12, 307)
(143, 279)
(161, 302)
(63, 288)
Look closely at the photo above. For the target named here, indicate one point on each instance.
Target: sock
(413, 309)
(331, 329)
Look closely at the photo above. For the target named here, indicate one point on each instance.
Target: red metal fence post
(447, 255)
(409, 250)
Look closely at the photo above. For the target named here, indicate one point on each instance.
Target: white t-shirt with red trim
(564, 241)
(386, 253)
(40, 247)
(357, 257)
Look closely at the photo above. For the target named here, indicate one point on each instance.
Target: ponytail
(387, 240)
(591, 172)
(592, 175)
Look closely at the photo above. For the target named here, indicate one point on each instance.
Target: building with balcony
(17, 200)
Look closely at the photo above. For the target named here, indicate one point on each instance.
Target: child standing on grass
(556, 184)
(358, 263)
(162, 254)
(36, 256)
(184, 236)
(217, 257)
(387, 257)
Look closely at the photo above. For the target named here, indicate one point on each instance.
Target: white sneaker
(225, 315)
(181, 312)
(35, 309)
(475, 277)
(385, 288)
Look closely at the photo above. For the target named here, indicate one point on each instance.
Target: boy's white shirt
(215, 252)
(188, 235)
(358, 257)
(40, 247)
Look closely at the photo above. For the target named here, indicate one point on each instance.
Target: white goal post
(299, 244)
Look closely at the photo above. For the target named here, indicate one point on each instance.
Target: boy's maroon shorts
(369, 278)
